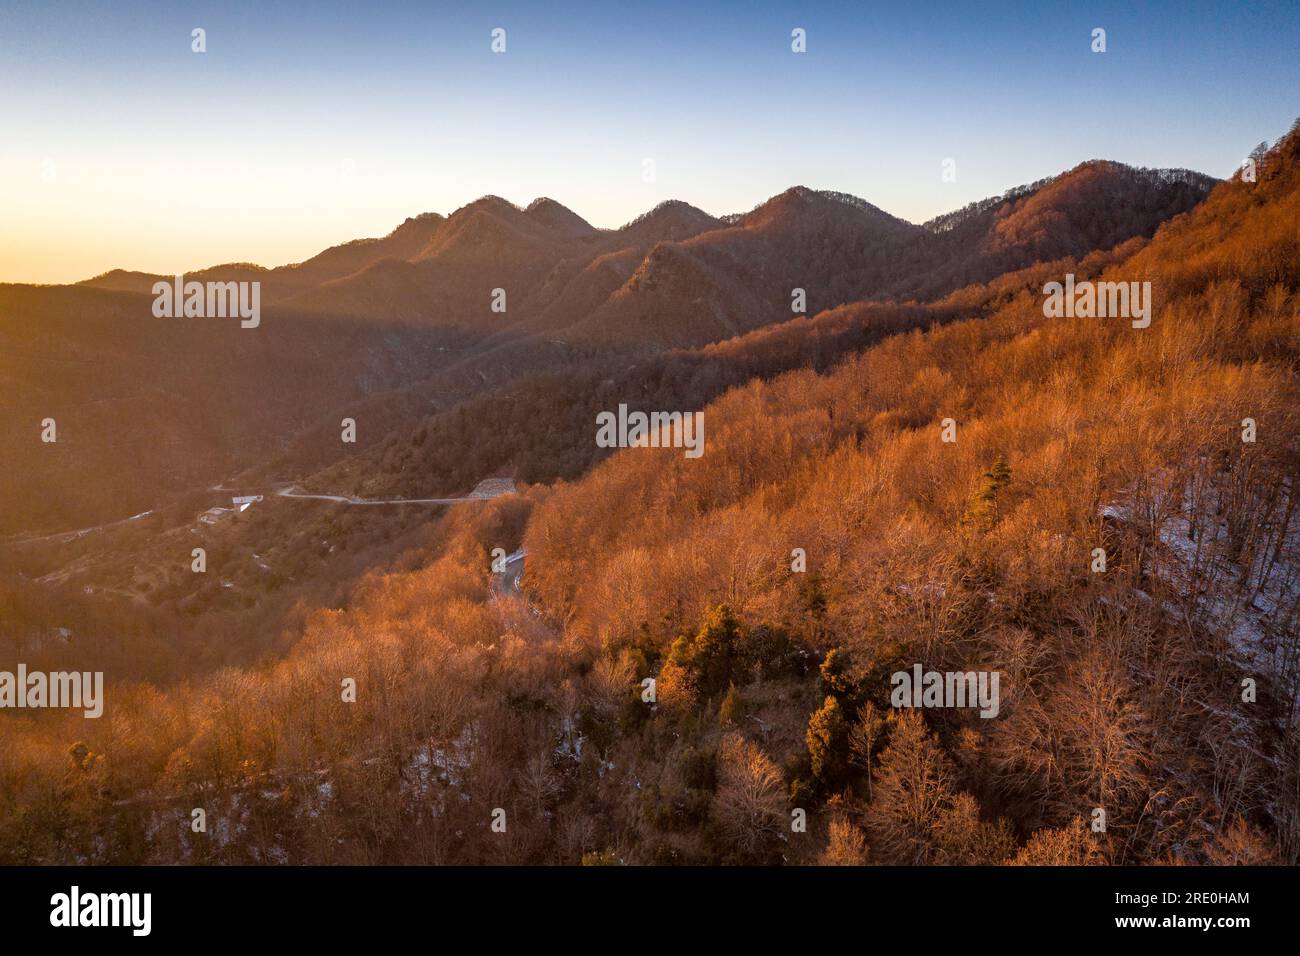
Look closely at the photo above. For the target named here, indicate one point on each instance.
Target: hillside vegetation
(1121, 689)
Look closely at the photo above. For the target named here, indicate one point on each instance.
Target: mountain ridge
(673, 278)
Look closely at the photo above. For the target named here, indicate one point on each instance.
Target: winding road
(507, 581)
(348, 500)
(290, 491)
(66, 536)
(483, 491)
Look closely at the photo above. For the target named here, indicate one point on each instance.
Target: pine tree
(834, 675)
(732, 708)
(982, 513)
(827, 739)
(713, 652)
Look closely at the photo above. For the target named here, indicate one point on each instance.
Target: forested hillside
(452, 311)
(828, 538)
(1122, 689)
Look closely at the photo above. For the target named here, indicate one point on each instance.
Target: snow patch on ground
(1251, 600)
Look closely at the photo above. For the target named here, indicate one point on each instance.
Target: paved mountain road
(506, 582)
(348, 500)
(484, 491)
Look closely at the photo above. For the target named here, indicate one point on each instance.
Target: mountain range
(395, 330)
(679, 655)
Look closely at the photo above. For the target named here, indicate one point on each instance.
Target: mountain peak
(671, 210)
(488, 203)
(558, 217)
(801, 202)
(542, 203)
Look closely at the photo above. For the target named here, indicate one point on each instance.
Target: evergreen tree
(827, 739)
(732, 708)
(982, 512)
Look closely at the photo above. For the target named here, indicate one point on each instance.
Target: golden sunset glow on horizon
(290, 134)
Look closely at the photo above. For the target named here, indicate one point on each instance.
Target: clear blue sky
(306, 125)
